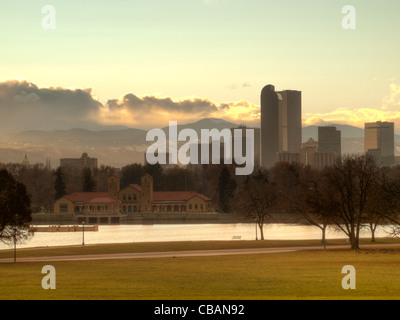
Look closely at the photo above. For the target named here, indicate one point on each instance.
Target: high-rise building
(79, 163)
(379, 141)
(280, 123)
(269, 126)
(329, 140)
(289, 121)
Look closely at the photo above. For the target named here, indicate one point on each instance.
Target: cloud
(388, 111)
(355, 117)
(151, 111)
(23, 105)
(392, 101)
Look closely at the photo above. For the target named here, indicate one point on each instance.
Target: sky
(143, 63)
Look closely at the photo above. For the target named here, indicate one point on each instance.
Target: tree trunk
(372, 233)
(261, 231)
(354, 242)
(323, 234)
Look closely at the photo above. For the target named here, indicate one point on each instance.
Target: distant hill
(115, 146)
(78, 135)
(346, 131)
(118, 146)
(208, 123)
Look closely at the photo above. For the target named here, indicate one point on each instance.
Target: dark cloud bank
(25, 106)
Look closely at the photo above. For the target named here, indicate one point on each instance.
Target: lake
(128, 233)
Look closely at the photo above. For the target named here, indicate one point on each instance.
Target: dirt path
(191, 253)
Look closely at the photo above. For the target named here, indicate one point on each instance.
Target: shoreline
(165, 218)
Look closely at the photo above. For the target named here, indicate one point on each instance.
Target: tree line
(353, 194)
(44, 185)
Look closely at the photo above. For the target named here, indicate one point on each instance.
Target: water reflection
(126, 233)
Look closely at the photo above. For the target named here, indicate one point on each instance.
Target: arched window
(176, 208)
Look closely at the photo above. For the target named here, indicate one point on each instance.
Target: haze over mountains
(118, 146)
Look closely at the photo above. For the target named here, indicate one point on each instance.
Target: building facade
(329, 140)
(87, 203)
(288, 157)
(269, 126)
(132, 199)
(79, 163)
(379, 141)
(309, 155)
(290, 135)
(280, 124)
(142, 198)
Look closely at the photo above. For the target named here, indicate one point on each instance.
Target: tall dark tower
(269, 126)
(289, 121)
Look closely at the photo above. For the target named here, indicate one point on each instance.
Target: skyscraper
(280, 123)
(329, 140)
(269, 126)
(379, 141)
(289, 121)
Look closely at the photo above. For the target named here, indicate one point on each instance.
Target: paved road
(192, 253)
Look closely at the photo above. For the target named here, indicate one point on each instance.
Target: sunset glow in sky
(148, 62)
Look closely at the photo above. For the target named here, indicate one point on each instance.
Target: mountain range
(118, 146)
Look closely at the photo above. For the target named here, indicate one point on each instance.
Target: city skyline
(123, 64)
(280, 123)
(199, 149)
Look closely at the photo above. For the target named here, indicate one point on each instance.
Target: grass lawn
(289, 275)
(173, 246)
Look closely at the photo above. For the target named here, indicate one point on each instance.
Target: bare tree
(350, 185)
(311, 202)
(256, 200)
(384, 206)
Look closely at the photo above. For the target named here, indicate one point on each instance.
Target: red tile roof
(136, 186)
(103, 197)
(177, 195)
(91, 197)
(173, 195)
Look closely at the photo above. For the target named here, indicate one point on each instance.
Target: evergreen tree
(59, 184)
(226, 187)
(131, 174)
(15, 209)
(156, 171)
(88, 183)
